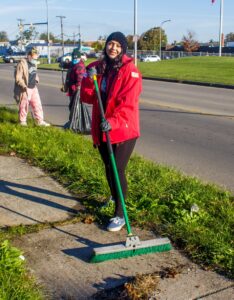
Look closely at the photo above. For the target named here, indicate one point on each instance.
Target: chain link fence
(177, 54)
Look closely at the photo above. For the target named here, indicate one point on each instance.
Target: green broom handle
(112, 159)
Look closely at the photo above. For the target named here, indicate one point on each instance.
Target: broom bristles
(109, 253)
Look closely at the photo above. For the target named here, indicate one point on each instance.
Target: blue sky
(102, 17)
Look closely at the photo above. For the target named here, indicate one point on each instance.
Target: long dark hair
(107, 64)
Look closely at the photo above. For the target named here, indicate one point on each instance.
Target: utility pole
(48, 33)
(21, 29)
(79, 37)
(135, 37)
(221, 28)
(74, 38)
(62, 34)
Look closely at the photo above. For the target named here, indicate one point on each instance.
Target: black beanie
(118, 37)
(76, 53)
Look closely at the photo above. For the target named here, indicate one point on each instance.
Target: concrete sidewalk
(59, 257)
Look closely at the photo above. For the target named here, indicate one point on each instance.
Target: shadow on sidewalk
(7, 188)
(85, 253)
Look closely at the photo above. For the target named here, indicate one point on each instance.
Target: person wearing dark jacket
(120, 85)
(73, 83)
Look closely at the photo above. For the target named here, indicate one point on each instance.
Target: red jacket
(122, 106)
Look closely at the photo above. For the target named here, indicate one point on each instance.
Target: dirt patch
(141, 287)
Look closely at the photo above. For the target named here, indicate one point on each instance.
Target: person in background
(26, 91)
(120, 85)
(73, 83)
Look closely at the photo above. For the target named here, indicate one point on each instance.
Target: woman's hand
(91, 72)
(105, 126)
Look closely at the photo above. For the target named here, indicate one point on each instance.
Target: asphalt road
(188, 127)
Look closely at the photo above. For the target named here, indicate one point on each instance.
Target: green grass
(160, 198)
(15, 283)
(201, 69)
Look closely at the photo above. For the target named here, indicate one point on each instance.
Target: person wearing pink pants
(26, 92)
(32, 98)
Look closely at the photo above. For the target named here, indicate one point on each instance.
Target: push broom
(132, 246)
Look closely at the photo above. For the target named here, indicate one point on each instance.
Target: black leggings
(122, 153)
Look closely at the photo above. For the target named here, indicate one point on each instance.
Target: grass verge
(214, 70)
(198, 217)
(15, 282)
(201, 69)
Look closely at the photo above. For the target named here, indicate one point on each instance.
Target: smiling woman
(120, 84)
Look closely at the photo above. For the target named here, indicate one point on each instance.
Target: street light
(160, 37)
(48, 33)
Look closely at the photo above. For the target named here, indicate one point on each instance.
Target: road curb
(209, 84)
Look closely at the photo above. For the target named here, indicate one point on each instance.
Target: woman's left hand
(105, 126)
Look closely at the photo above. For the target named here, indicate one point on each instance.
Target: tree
(28, 35)
(150, 40)
(3, 36)
(44, 36)
(230, 37)
(98, 45)
(102, 37)
(189, 42)
(130, 41)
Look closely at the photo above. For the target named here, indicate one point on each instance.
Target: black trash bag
(79, 120)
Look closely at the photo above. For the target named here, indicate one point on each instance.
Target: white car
(67, 58)
(150, 58)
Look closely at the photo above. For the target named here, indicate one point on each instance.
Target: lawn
(201, 69)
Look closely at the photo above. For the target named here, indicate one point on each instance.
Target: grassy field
(204, 69)
(198, 217)
(201, 69)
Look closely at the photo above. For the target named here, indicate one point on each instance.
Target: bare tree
(189, 42)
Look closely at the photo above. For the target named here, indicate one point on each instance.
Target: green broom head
(122, 251)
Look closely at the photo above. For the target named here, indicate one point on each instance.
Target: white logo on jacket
(135, 75)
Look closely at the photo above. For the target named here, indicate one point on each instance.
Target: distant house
(207, 49)
(56, 49)
(230, 44)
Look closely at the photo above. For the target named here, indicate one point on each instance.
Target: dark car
(14, 57)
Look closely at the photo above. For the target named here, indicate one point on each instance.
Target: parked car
(43, 56)
(14, 57)
(150, 58)
(94, 54)
(65, 58)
